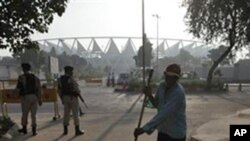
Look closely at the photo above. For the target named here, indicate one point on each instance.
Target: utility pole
(143, 66)
(157, 38)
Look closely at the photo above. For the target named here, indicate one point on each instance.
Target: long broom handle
(144, 101)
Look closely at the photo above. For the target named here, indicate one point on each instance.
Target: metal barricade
(9, 95)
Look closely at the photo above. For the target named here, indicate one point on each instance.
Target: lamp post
(143, 66)
(157, 37)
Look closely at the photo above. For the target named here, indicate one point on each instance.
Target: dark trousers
(166, 137)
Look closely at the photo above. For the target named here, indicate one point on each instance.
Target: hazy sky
(118, 18)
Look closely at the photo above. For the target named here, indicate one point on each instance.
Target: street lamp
(143, 66)
(157, 37)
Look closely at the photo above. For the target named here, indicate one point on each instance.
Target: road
(113, 116)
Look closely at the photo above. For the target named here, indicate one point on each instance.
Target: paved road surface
(113, 116)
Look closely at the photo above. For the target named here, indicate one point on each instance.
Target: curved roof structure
(173, 50)
(129, 50)
(111, 56)
(112, 51)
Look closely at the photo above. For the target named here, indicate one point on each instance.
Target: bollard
(226, 87)
(240, 87)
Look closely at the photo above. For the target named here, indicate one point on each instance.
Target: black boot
(78, 131)
(34, 130)
(23, 130)
(65, 130)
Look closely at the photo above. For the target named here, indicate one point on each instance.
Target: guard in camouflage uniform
(28, 86)
(68, 91)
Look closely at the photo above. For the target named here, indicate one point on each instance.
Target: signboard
(53, 65)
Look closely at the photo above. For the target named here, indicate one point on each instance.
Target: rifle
(83, 101)
(144, 101)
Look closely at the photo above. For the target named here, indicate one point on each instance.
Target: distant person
(28, 86)
(108, 80)
(69, 91)
(170, 120)
(113, 79)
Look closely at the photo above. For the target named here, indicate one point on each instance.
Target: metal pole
(157, 49)
(157, 38)
(143, 66)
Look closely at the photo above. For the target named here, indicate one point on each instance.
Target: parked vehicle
(122, 82)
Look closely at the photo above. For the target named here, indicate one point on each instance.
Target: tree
(21, 18)
(32, 56)
(227, 21)
(184, 55)
(148, 55)
(53, 52)
(215, 53)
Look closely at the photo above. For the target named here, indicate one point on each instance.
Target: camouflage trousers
(29, 103)
(70, 103)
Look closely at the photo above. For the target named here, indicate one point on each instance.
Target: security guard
(28, 86)
(69, 90)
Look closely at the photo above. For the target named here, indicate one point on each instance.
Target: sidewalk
(218, 130)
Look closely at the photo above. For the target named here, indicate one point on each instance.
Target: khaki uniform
(30, 92)
(70, 103)
(69, 99)
(29, 103)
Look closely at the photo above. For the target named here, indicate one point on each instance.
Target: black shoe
(78, 131)
(34, 131)
(23, 130)
(65, 130)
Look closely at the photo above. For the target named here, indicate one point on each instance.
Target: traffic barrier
(8, 95)
(94, 80)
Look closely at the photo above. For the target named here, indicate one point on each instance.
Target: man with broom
(170, 120)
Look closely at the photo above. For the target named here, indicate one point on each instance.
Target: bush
(192, 85)
(134, 85)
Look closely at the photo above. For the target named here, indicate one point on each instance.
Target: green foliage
(77, 62)
(21, 18)
(224, 20)
(227, 21)
(7, 61)
(193, 85)
(214, 54)
(184, 59)
(184, 55)
(30, 55)
(134, 85)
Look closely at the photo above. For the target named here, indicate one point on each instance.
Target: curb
(244, 113)
(11, 134)
(239, 117)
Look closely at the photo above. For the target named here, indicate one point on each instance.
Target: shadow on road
(45, 126)
(58, 138)
(110, 128)
(234, 101)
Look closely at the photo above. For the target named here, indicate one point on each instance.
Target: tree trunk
(215, 65)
